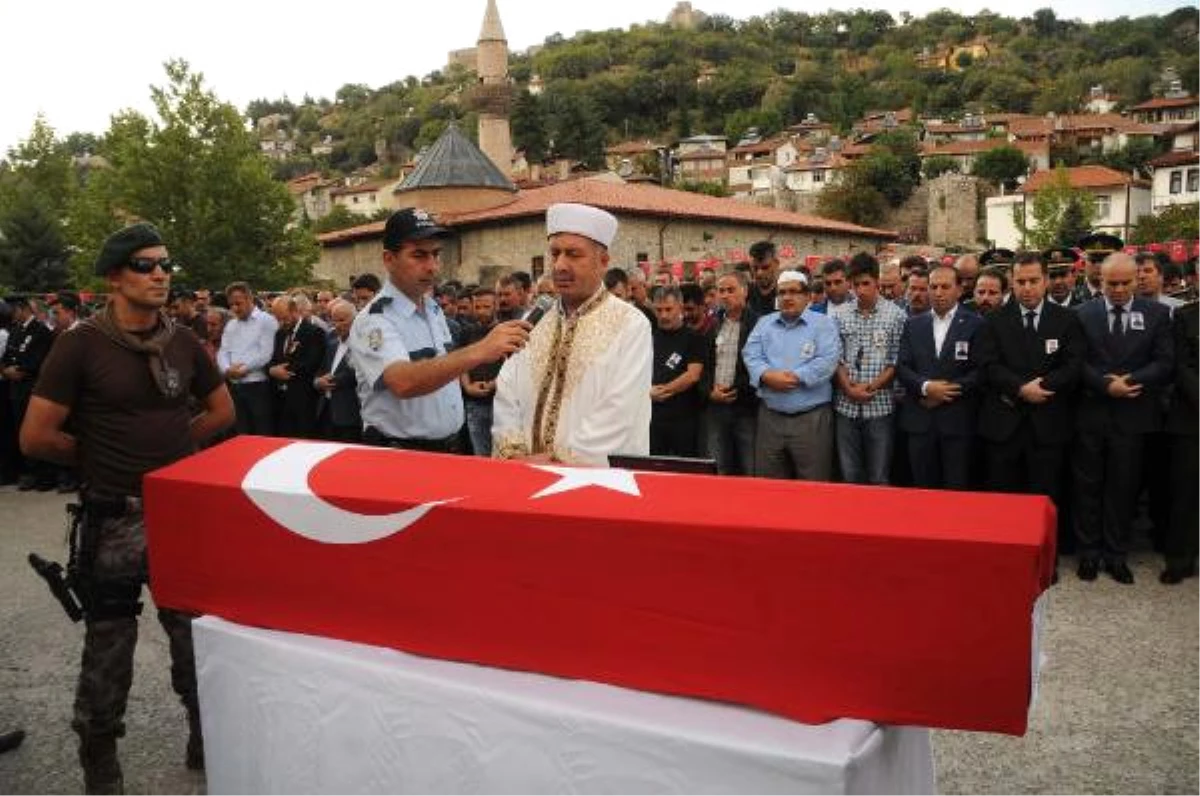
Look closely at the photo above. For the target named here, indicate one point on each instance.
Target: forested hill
(725, 75)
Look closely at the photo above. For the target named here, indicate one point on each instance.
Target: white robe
(605, 405)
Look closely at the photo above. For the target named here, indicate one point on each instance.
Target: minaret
(493, 92)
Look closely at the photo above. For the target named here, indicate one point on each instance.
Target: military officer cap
(1099, 245)
(997, 257)
(124, 243)
(1060, 258)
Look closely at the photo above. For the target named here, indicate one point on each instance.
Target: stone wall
(955, 204)
(521, 245)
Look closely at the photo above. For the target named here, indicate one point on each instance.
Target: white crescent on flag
(278, 485)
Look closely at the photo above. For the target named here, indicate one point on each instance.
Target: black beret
(121, 245)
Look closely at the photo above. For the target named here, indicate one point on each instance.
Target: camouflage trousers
(107, 670)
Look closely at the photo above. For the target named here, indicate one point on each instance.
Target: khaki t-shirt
(124, 425)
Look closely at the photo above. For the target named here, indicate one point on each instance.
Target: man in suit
(1031, 356)
(1182, 540)
(338, 415)
(938, 369)
(1130, 358)
(297, 354)
(29, 342)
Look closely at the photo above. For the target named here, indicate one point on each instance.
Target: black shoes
(1120, 572)
(11, 740)
(1173, 575)
(1089, 568)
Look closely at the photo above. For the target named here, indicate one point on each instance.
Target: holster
(103, 597)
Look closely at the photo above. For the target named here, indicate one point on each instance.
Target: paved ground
(1117, 711)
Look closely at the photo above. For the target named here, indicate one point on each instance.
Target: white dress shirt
(941, 326)
(250, 343)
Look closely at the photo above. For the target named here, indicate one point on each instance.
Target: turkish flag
(787, 252)
(814, 601)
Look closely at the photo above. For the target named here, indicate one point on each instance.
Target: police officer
(123, 378)
(1060, 268)
(1096, 247)
(28, 343)
(994, 260)
(403, 353)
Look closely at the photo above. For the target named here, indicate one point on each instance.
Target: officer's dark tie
(1030, 317)
(1118, 326)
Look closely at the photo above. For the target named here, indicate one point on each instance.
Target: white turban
(791, 276)
(584, 220)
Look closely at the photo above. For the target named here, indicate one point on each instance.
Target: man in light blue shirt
(791, 356)
(246, 346)
(404, 357)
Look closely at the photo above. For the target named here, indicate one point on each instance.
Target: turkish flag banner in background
(810, 600)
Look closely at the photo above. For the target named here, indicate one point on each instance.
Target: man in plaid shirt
(870, 334)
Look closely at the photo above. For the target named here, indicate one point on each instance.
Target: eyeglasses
(146, 265)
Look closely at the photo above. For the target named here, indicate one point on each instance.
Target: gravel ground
(1117, 712)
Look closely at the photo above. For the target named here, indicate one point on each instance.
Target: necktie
(1030, 315)
(1118, 325)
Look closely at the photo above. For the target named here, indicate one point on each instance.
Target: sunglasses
(146, 265)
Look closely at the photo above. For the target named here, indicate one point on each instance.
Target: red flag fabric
(814, 601)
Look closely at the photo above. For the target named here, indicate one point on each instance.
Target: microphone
(544, 304)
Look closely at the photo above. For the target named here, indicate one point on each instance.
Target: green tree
(529, 127)
(938, 165)
(197, 174)
(1175, 222)
(852, 199)
(1001, 166)
(1060, 214)
(33, 250)
(1133, 157)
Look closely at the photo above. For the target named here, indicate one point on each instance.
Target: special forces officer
(402, 350)
(122, 379)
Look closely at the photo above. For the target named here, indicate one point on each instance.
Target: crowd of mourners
(1055, 373)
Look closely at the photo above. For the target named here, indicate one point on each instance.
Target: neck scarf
(550, 391)
(166, 378)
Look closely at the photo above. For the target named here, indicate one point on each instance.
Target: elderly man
(791, 356)
(968, 271)
(580, 391)
(404, 359)
(1130, 359)
(732, 414)
(338, 415)
(295, 359)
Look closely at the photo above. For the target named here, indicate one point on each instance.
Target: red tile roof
(1181, 157)
(1082, 177)
(629, 200)
(987, 144)
(1165, 102)
(632, 148)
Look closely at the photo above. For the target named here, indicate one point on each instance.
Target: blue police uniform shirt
(390, 329)
(808, 346)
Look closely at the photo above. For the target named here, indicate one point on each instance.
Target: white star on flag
(578, 477)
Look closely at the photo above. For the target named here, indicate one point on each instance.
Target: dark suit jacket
(304, 360)
(341, 407)
(919, 362)
(1147, 354)
(1185, 404)
(1009, 359)
(747, 395)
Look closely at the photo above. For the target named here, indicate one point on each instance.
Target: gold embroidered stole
(554, 378)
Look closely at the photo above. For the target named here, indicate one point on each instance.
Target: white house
(1120, 201)
(1177, 173)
